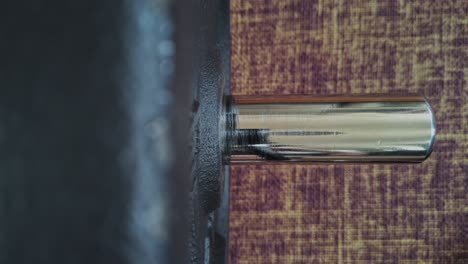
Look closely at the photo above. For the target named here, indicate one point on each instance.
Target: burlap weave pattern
(354, 213)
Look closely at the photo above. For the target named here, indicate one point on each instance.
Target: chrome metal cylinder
(354, 129)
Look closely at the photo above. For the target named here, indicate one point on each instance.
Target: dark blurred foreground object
(101, 161)
(89, 131)
(95, 130)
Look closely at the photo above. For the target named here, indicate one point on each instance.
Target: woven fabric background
(354, 213)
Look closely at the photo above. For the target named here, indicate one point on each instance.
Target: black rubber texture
(208, 173)
(212, 69)
(209, 95)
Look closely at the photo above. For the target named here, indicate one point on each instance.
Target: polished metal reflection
(360, 130)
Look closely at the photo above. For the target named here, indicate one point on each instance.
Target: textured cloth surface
(354, 213)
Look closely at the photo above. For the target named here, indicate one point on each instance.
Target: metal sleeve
(355, 129)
